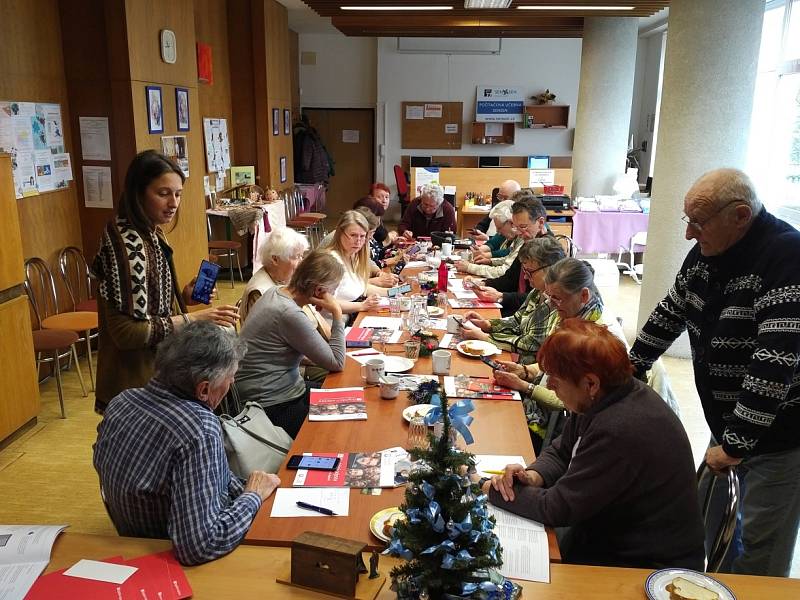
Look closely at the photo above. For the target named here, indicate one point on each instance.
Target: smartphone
(459, 319)
(400, 289)
(315, 463)
(205, 282)
(398, 268)
(492, 363)
(412, 250)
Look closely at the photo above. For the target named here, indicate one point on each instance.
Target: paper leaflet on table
(470, 303)
(337, 404)
(450, 341)
(355, 470)
(393, 323)
(24, 554)
(526, 554)
(335, 499)
(479, 388)
(365, 337)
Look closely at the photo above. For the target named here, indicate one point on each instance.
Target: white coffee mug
(441, 362)
(447, 249)
(390, 387)
(453, 324)
(372, 371)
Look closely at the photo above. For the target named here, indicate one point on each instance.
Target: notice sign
(433, 111)
(499, 104)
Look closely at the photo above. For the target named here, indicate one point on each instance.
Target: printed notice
(350, 136)
(540, 177)
(451, 127)
(414, 112)
(97, 187)
(95, 142)
(433, 111)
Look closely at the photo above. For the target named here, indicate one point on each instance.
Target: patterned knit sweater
(742, 313)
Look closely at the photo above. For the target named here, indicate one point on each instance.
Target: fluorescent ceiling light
(487, 3)
(574, 7)
(396, 7)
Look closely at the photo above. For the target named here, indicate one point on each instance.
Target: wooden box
(326, 563)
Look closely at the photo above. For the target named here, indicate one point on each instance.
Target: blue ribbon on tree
(434, 516)
(448, 561)
(396, 548)
(471, 588)
(456, 529)
(460, 418)
(445, 545)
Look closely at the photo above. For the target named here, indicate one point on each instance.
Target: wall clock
(169, 51)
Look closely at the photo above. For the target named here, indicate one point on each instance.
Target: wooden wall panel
(11, 259)
(32, 68)
(19, 394)
(294, 68)
(240, 66)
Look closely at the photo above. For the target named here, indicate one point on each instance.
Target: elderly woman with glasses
(525, 330)
(499, 245)
(279, 335)
(280, 255)
(621, 475)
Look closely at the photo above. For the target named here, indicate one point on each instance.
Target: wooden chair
(54, 344)
(311, 224)
(42, 292)
(77, 279)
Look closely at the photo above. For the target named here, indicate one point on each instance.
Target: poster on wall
(155, 109)
(176, 148)
(287, 122)
(276, 121)
(182, 108)
(500, 104)
(33, 135)
(95, 141)
(97, 187)
(218, 152)
(425, 176)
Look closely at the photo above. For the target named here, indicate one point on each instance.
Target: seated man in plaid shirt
(160, 456)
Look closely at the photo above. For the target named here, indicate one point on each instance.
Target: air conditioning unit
(426, 45)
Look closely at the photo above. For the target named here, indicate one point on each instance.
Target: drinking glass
(394, 307)
(441, 302)
(412, 349)
(417, 433)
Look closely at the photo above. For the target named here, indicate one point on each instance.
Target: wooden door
(349, 136)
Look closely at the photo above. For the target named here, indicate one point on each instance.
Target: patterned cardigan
(742, 313)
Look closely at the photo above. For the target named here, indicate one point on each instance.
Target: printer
(554, 202)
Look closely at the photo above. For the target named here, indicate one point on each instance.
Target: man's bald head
(507, 189)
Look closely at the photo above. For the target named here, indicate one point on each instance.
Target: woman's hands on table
(476, 319)
(370, 303)
(486, 293)
(385, 279)
(513, 473)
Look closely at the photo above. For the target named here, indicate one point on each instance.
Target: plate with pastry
(417, 410)
(477, 348)
(383, 521)
(435, 311)
(685, 584)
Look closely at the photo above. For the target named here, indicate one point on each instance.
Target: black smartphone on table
(398, 268)
(496, 366)
(205, 282)
(315, 463)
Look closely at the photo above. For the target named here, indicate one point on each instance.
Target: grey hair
(502, 211)
(729, 185)
(526, 201)
(283, 243)
(545, 251)
(199, 352)
(434, 191)
(573, 275)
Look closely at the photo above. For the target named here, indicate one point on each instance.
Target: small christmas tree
(447, 536)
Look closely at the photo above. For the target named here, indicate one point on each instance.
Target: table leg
(89, 358)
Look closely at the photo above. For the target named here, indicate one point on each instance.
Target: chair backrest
(717, 548)
(288, 203)
(75, 273)
(570, 249)
(400, 180)
(41, 289)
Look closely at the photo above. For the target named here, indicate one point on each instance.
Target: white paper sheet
(95, 141)
(382, 322)
(362, 356)
(24, 554)
(97, 191)
(415, 112)
(495, 462)
(100, 571)
(285, 505)
(464, 294)
(526, 554)
(440, 324)
(416, 264)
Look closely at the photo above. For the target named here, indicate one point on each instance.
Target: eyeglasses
(698, 225)
(356, 237)
(552, 299)
(530, 272)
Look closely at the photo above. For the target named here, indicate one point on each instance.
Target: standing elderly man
(738, 295)
(427, 213)
(160, 456)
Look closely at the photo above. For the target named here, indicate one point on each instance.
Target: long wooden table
(499, 428)
(250, 572)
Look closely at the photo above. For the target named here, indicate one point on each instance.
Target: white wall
(345, 75)
(529, 64)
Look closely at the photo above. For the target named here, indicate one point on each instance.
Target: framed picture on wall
(276, 121)
(155, 109)
(182, 108)
(283, 169)
(287, 122)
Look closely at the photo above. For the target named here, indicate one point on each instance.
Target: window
(774, 148)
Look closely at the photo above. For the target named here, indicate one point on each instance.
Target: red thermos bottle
(442, 283)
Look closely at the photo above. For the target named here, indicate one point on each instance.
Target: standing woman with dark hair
(139, 301)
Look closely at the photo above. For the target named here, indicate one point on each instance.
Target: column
(605, 95)
(706, 103)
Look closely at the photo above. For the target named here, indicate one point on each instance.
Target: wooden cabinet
(547, 116)
(479, 135)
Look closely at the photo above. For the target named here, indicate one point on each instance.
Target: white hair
(502, 211)
(283, 243)
(436, 192)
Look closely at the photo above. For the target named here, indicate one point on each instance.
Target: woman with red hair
(621, 475)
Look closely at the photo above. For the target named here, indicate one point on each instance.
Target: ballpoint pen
(319, 509)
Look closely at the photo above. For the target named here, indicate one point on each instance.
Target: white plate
(487, 348)
(416, 410)
(379, 518)
(435, 311)
(656, 585)
(397, 364)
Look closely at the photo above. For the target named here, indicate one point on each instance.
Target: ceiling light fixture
(574, 7)
(487, 3)
(396, 7)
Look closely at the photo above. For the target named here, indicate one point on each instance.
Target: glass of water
(394, 307)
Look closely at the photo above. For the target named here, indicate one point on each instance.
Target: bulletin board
(432, 124)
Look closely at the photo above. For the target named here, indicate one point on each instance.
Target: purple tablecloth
(606, 231)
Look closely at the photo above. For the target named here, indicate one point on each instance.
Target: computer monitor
(420, 161)
(538, 162)
(488, 161)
